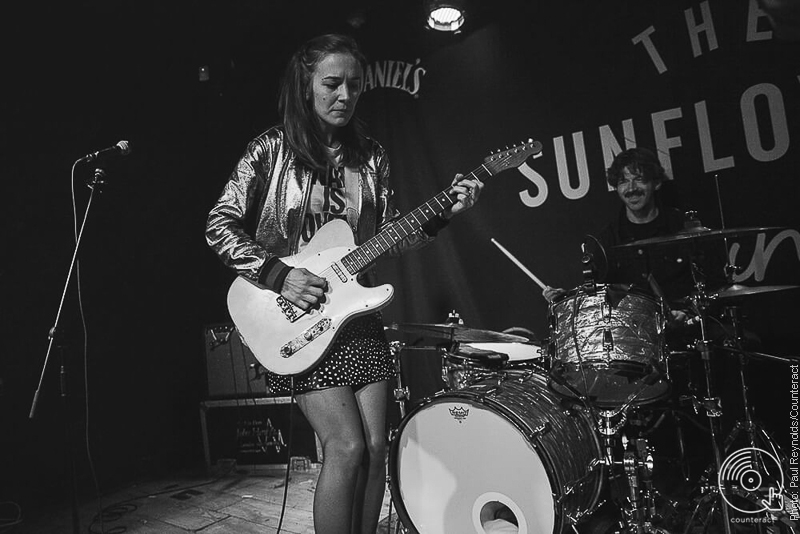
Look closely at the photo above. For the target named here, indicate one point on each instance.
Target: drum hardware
(537, 432)
(635, 465)
(756, 436)
(711, 403)
(401, 396)
(609, 423)
(401, 393)
(709, 490)
(638, 465)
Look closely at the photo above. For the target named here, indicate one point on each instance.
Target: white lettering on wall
(772, 103)
(570, 192)
(710, 162)
(777, 115)
(705, 27)
(533, 201)
(664, 143)
(611, 147)
(655, 57)
(755, 15)
(762, 254)
(392, 74)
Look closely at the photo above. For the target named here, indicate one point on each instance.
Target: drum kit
(548, 436)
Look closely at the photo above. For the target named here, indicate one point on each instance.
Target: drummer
(638, 177)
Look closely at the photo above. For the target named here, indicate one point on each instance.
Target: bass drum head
(456, 461)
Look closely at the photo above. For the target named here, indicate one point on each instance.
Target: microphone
(123, 148)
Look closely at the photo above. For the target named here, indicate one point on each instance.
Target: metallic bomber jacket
(262, 206)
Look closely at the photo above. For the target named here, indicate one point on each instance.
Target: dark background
(80, 76)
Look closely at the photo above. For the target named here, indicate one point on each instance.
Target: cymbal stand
(712, 403)
(400, 390)
(748, 425)
(401, 396)
(755, 434)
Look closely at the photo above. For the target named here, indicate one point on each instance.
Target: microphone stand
(97, 180)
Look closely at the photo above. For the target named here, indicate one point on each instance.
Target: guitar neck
(366, 254)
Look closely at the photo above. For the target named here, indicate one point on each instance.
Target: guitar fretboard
(362, 257)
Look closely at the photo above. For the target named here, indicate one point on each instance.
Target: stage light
(445, 15)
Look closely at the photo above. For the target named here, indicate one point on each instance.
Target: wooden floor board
(242, 501)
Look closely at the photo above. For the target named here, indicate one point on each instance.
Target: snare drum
(470, 364)
(608, 344)
(462, 456)
(519, 354)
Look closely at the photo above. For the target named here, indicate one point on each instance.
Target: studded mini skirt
(360, 355)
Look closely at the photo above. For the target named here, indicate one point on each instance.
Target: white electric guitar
(287, 340)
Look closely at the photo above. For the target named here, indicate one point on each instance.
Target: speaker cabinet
(257, 431)
(231, 369)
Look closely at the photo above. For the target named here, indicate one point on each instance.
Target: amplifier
(232, 370)
(256, 431)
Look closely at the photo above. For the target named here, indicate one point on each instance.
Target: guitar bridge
(287, 308)
(306, 337)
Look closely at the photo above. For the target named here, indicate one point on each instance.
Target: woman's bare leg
(371, 485)
(335, 417)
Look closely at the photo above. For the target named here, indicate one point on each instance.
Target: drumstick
(518, 264)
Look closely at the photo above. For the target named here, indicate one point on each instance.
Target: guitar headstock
(512, 157)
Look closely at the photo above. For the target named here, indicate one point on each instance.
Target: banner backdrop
(703, 83)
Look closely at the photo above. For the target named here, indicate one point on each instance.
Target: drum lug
(540, 430)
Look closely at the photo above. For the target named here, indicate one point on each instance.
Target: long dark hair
(295, 105)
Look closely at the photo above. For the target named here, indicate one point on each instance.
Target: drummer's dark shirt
(670, 264)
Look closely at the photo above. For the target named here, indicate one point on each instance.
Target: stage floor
(248, 500)
(241, 500)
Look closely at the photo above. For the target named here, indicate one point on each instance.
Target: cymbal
(698, 233)
(739, 290)
(760, 355)
(457, 332)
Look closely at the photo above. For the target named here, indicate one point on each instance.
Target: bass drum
(500, 450)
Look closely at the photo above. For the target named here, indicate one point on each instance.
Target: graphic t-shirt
(329, 198)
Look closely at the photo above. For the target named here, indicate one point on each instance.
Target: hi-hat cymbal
(698, 233)
(738, 290)
(457, 333)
